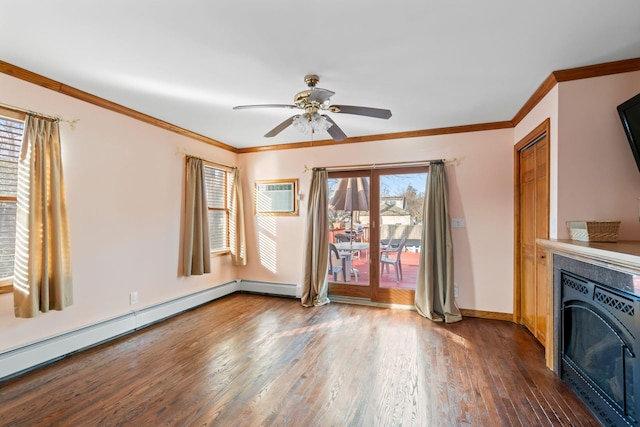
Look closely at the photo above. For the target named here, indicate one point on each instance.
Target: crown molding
(31, 77)
(383, 137)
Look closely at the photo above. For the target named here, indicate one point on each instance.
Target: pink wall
(124, 186)
(597, 175)
(481, 192)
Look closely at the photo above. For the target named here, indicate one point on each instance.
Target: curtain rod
(7, 107)
(33, 113)
(380, 165)
(211, 163)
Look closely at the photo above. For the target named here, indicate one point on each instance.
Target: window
(10, 142)
(218, 187)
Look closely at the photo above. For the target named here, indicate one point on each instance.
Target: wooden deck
(250, 360)
(409, 262)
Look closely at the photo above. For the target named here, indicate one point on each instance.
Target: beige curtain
(316, 260)
(195, 250)
(42, 275)
(238, 244)
(434, 289)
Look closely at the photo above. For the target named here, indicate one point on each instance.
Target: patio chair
(385, 245)
(334, 255)
(391, 256)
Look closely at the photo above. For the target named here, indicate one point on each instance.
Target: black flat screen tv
(630, 115)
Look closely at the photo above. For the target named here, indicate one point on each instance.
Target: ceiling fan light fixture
(313, 101)
(311, 123)
(319, 123)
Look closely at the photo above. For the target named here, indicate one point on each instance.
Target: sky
(394, 185)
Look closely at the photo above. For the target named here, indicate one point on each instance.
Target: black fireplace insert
(598, 337)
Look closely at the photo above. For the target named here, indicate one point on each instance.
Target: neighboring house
(393, 214)
(397, 201)
(392, 211)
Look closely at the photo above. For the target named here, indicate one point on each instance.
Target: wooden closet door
(533, 220)
(527, 237)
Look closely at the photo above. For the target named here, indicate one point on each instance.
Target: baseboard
(24, 358)
(487, 314)
(167, 309)
(269, 288)
(17, 361)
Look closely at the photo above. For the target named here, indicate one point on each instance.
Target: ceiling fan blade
(282, 126)
(320, 95)
(242, 107)
(361, 111)
(335, 131)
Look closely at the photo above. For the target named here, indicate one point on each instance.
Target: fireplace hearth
(598, 331)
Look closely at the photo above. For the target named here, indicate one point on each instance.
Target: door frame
(540, 130)
(373, 292)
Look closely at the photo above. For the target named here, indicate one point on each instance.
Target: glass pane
(215, 185)
(218, 189)
(218, 230)
(598, 352)
(349, 229)
(7, 238)
(401, 207)
(10, 142)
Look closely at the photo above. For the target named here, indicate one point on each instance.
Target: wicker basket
(593, 231)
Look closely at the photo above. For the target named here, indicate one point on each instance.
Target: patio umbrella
(351, 194)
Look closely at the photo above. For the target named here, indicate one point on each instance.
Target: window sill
(220, 253)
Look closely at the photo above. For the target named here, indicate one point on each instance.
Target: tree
(415, 202)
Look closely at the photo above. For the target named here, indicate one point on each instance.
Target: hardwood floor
(251, 360)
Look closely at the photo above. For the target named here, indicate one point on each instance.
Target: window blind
(217, 186)
(10, 142)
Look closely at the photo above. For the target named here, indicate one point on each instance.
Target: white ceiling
(432, 63)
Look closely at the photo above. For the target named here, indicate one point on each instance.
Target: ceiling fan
(313, 101)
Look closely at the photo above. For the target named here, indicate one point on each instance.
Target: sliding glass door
(400, 207)
(376, 227)
(350, 233)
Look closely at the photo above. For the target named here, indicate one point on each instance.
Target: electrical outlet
(455, 292)
(133, 297)
(457, 223)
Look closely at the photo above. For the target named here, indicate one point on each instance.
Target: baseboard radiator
(19, 360)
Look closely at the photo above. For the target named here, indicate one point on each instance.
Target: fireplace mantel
(623, 256)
